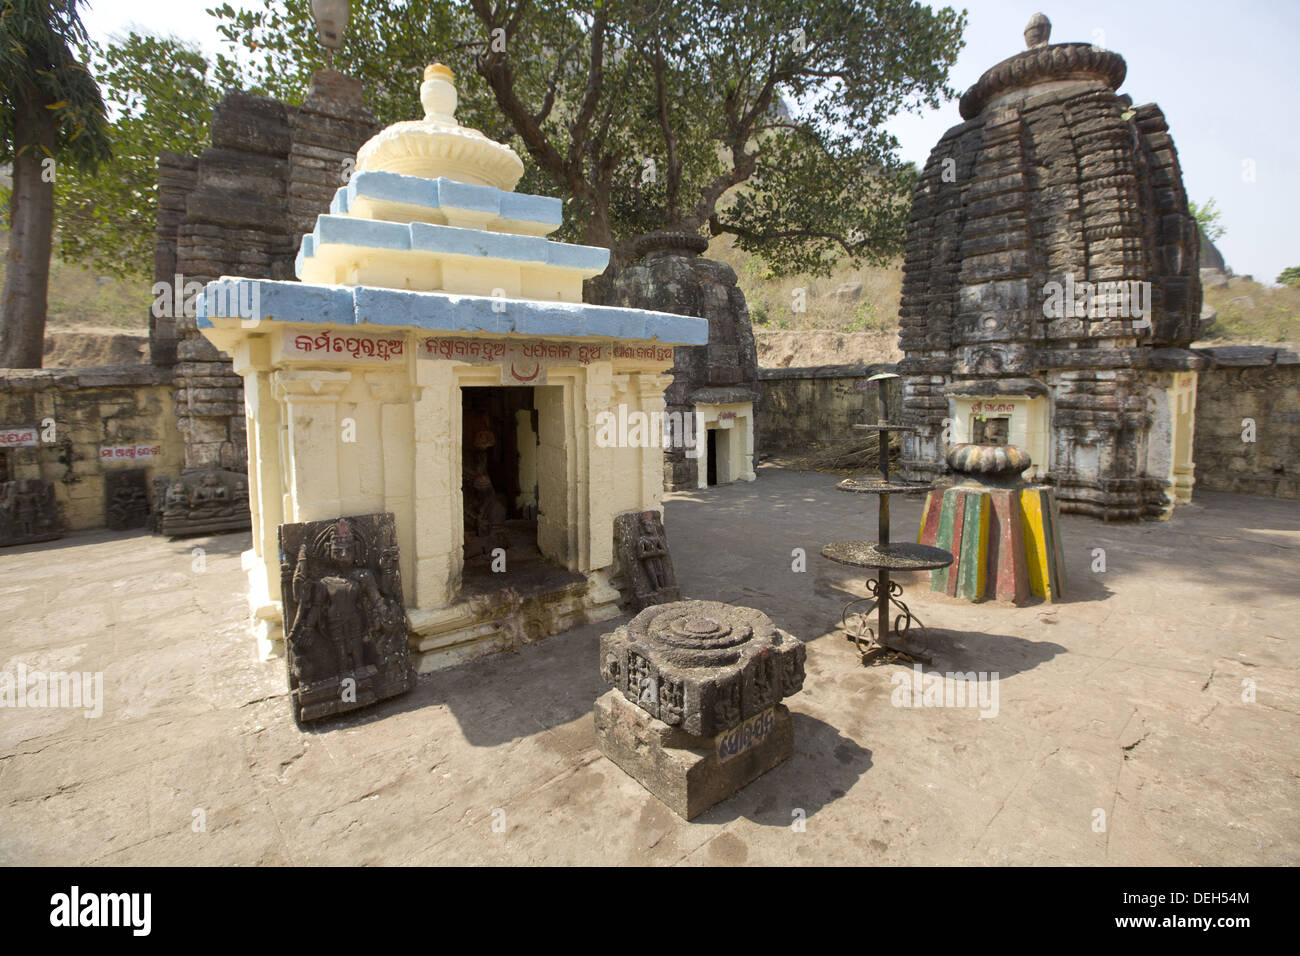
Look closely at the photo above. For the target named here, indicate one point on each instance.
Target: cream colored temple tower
(430, 298)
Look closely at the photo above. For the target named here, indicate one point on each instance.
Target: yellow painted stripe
(1031, 511)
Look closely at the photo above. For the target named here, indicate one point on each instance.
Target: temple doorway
(499, 476)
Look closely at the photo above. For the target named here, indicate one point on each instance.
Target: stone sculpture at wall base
(28, 512)
(642, 549)
(203, 501)
(347, 644)
(695, 713)
(126, 500)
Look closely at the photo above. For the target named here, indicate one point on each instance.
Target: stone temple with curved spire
(1051, 285)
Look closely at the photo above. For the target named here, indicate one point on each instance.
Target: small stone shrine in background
(1004, 534)
(342, 593)
(716, 383)
(436, 362)
(1051, 286)
(694, 712)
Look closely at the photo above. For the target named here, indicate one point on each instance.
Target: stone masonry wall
(256, 190)
(91, 408)
(177, 177)
(1262, 385)
(802, 409)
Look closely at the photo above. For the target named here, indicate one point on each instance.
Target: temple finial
(1037, 31)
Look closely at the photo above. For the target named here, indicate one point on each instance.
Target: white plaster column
(597, 396)
(438, 502)
(650, 388)
(396, 437)
(311, 397)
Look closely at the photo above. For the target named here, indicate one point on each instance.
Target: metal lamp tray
(903, 556)
(879, 486)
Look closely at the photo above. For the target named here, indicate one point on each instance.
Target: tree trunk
(31, 227)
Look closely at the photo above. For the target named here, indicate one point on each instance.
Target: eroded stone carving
(695, 712)
(28, 512)
(643, 554)
(126, 499)
(346, 638)
(702, 666)
(202, 502)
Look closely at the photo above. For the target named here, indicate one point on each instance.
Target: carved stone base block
(688, 773)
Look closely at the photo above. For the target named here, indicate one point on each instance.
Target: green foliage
(162, 93)
(1207, 217)
(645, 115)
(864, 318)
(1290, 276)
(1251, 312)
(37, 65)
(762, 120)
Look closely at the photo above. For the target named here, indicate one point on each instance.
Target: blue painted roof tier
(271, 301)
(439, 194)
(447, 240)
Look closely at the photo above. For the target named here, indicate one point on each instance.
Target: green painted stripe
(1060, 548)
(974, 545)
(939, 578)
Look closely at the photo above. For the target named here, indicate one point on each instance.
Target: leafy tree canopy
(761, 119)
(1207, 217)
(1290, 276)
(161, 93)
(37, 64)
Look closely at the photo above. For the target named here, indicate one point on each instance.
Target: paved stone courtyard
(1121, 734)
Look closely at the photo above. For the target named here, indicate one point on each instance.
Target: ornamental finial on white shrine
(438, 94)
(438, 146)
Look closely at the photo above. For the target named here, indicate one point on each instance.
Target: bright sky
(1224, 74)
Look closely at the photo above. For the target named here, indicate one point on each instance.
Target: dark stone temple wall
(241, 208)
(1053, 178)
(671, 277)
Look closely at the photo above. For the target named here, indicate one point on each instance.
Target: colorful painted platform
(1006, 542)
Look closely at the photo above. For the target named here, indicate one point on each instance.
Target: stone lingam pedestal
(437, 363)
(695, 710)
(1003, 532)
